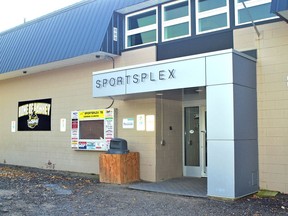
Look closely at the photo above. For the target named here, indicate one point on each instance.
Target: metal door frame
(200, 171)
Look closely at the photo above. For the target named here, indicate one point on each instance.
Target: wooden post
(119, 168)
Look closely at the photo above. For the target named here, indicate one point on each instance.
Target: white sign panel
(109, 84)
(172, 75)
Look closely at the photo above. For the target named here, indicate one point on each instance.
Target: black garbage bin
(118, 146)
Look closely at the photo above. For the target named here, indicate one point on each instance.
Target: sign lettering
(161, 75)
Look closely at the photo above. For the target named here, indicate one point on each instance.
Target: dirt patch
(26, 191)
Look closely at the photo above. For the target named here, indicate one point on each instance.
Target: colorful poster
(92, 114)
(92, 129)
(74, 130)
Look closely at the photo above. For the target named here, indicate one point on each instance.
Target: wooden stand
(119, 168)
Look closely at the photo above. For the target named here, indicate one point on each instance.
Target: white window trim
(175, 21)
(141, 29)
(251, 3)
(209, 13)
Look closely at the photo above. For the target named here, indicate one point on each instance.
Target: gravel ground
(28, 191)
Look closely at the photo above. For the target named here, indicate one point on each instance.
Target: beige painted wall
(70, 89)
(169, 161)
(140, 141)
(272, 93)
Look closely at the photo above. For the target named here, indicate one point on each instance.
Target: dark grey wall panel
(195, 45)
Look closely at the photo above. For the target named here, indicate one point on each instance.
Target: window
(91, 129)
(257, 10)
(212, 15)
(176, 20)
(141, 28)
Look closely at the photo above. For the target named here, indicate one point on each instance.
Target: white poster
(13, 126)
(150, 123)
(62, 124)
(128, 123)
(141, 122)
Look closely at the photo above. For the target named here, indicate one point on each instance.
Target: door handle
(190, 142)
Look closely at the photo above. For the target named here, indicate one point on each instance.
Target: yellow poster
(92, 114)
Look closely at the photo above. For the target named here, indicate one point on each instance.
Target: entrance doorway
(195, 144)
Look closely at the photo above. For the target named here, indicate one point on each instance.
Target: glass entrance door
(195, 145)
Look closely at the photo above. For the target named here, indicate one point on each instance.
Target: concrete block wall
(70, 89)
(272, 102)
(144, 141)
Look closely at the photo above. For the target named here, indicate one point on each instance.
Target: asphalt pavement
(29, 191)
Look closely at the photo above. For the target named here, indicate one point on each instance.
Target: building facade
(198, 88)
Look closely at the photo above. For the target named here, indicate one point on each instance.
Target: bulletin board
(92, 130)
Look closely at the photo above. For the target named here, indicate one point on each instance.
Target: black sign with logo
(34, 115)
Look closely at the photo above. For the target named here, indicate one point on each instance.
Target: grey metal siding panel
(61, 35)
(279, 5)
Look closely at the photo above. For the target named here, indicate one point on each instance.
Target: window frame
(249, 4)
(210, 13)
(176, 21)
(140, 29)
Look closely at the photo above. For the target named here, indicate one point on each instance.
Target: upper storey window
(212, 15)
(141, 28)
(256, 10)
(176, 20)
